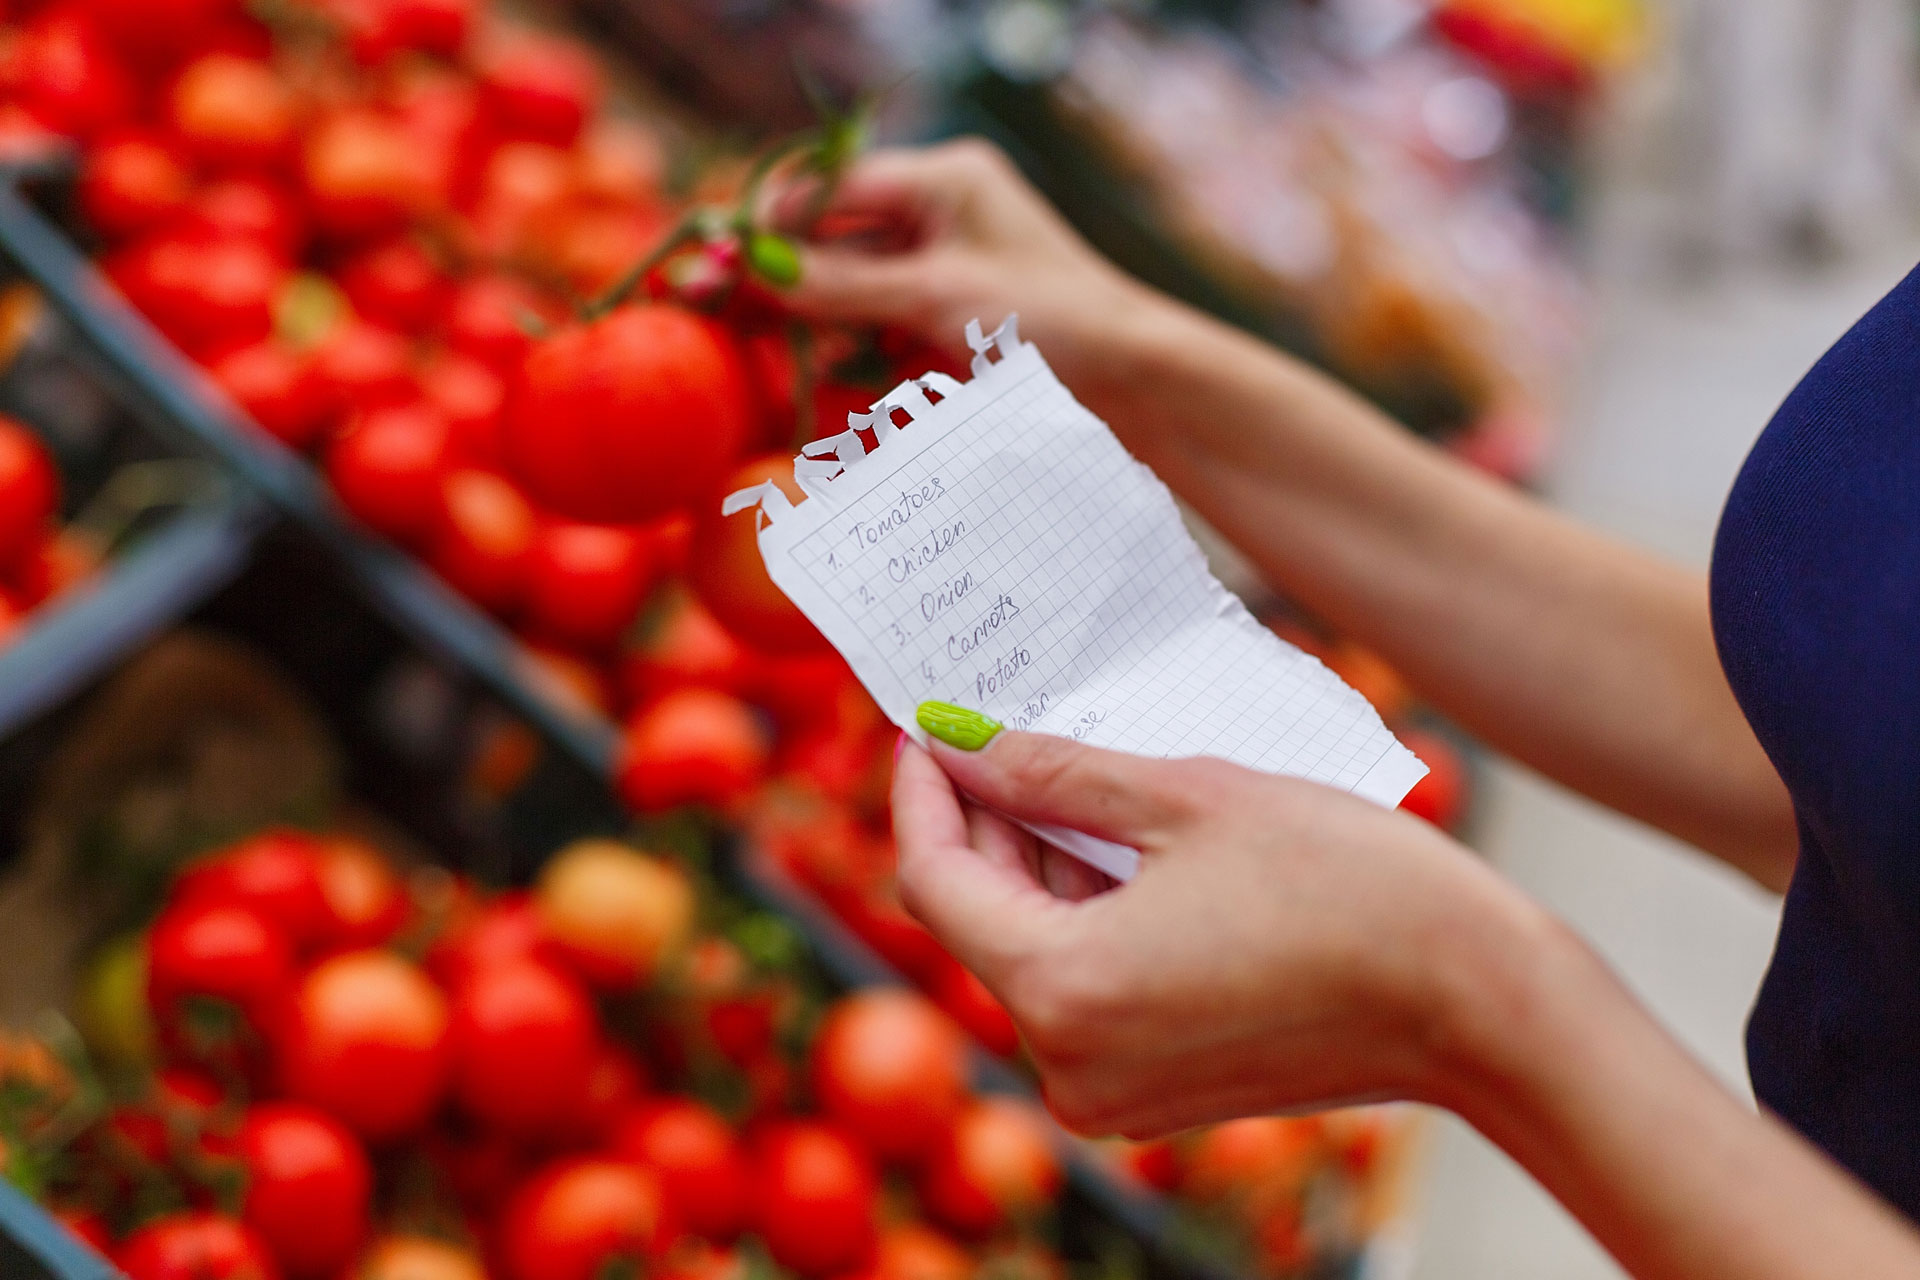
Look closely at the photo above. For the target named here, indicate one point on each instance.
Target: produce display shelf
(90, 628)
(177, 568)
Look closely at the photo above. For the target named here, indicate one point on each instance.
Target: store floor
(1680, 381)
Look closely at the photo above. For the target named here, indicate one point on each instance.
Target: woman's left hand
(1283, 944)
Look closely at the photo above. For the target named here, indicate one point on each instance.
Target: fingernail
(957, 726)
(899, 745)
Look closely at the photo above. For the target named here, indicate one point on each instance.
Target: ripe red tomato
(366, 903)
(696, 746)
(387, 469)
(274, 382)
(698, 1159)
(418, 1258)
(29, 493)
(379, 29)
(64, 559)
(627, 417)
(484, 320)
(892, 1070)
(1440, 797)
(361, 367)
(817, 1198)
(1254, 1154)
(539, 88)
(997, 1165)
(586, 582)
(133, 183)
(471, 396)
(363, 176)
(368, 1041)
(525, 1039)
(274, 872)
(66, 76)
(206, 294)
(231, 112)
(614, 1085)
(913, 1251)
(195, 1246)
(483, 543)
(396, 284)
(249, 207)
(308, 1188)
(684, 648)
(613, 914)
(507, 930)
(218, 950)
(725, 567)
(573, 1218)
(156, 32)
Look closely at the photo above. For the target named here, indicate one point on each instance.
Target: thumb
(1036, 777)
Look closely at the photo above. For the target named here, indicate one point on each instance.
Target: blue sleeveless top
(1816, 611)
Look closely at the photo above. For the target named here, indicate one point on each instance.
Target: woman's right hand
(925, 240)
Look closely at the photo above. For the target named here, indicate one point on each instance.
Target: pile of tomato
(323, 1070)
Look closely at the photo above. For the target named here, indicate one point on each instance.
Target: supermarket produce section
(422, 858)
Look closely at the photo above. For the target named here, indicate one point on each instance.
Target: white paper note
(992, 544)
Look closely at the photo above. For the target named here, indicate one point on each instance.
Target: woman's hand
(1283, 944)
(926, 240)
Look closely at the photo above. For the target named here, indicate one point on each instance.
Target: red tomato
(695, 746)
(484, 320)
(66, 559)
(66, 76)
(276, 873)
(158, 31)
(1440, 797)
(133, 184)
(362, 366)
(573, 1218)
(29, 493)
(195, 1246)
(419, 1258)
(379, 29)
(363, 176)
(484, 543)
(525, 1038)
(366, 903)
(539, 88)
(892, 1070)
(387, 469)
(1273, 1153)
(308, 1188)
(231, 112)
(725, 567)
(368, 1042)
(684, 648)
(88, 1227)
(249, 207)
(614, 914)
(471, 396)
(396, 284)
(911, 1251)
(507, 930)
(997, 1165)
(219, 950)
(205, 294)
(627, 417)
(698, 1159)
(586, 582)
(614, 1085)
(818, 1196)
(275, 383)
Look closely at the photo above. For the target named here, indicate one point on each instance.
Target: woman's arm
(1585, 659)
(1286, 945)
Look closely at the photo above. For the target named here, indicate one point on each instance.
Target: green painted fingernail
(957, 726)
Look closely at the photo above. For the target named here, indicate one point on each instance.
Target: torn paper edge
(821, 462)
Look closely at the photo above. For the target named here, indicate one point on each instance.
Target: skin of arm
(1578, 656)
(1286, 945)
